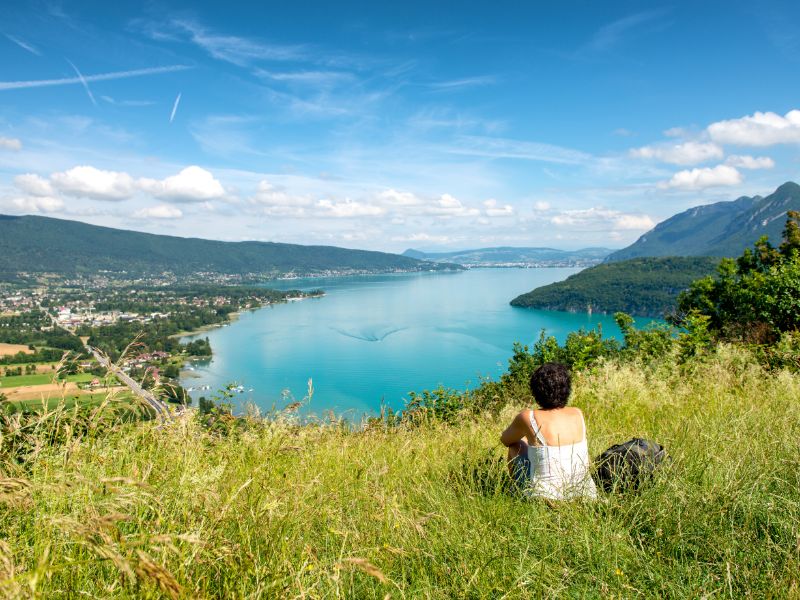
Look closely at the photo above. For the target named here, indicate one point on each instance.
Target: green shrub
(754, 298)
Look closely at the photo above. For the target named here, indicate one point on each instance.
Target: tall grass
(275, 509)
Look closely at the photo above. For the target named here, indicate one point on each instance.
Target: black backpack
(625, 466)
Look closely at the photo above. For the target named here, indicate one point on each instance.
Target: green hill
(721, 229)
(641, 286)
(35, 244)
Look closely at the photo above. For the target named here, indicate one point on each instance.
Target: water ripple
(369, 336)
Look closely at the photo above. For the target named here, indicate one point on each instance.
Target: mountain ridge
(719, 229)
(37, 244)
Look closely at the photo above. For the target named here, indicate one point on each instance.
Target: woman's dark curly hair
(551, 385)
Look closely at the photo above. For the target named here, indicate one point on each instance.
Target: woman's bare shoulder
(523, 416)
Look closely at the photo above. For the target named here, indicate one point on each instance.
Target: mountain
(642, 286)
(721, 229)
(512, 257)
(34, 244)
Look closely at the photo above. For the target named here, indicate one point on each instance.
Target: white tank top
(560, 472)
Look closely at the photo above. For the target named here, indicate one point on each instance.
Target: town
(55, 335)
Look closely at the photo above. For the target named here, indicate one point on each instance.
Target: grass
(42, 379)
(69, 401)
(275, 509)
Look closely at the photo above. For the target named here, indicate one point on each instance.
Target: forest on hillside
(641, 286)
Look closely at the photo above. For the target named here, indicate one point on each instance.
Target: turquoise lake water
(372, 339)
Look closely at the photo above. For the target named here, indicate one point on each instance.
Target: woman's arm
(517, 430)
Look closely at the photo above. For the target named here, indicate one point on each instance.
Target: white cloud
(449, 206)
(750, 162)
(162, 211)
(687, 153)
(348, 209)
(89, 182)
(192, 184)
(43, 204)
(759, 129)
(271, 195)
(397, 205)
(397, 198)
(311, 78)
(611, 34)
(238, 50)
(467, 82)
(601, 218)
(676, 132)
(10, 143)
(635, 222)
(623, 132)
(276, 201)
(541, 206)
(492, 209)
(423, 237)
(409, 204)
(34, 185)
(698, 179)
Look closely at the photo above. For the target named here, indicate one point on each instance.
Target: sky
(386, 126)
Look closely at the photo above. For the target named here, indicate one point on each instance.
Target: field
(12, 349)
(43, 367)
(70, 398)
(274, 509)
(41, 379)
(42, 386)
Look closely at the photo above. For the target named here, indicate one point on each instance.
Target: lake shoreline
(375, 339)
(232, 318)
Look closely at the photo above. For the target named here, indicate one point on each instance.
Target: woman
(547, 450)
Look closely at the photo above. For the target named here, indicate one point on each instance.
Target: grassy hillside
(42, 244)
(277, 510)
(641, 286)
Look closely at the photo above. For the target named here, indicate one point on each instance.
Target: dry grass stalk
(367, 567)
(148, 569)
(15, 492)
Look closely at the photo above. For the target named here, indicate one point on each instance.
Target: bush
(442, 404)
(754, 298)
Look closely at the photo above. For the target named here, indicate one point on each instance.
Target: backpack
(625, 466)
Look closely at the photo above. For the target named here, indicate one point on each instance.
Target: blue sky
(395, 125)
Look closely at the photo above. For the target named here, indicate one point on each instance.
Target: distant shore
(232, 317)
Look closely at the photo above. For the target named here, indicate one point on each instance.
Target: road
(161, 409)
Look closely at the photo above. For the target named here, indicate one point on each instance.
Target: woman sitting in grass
(547, 452)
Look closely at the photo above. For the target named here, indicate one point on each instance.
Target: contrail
(18, 85)
(175, 107)
(83, 81)
(25, 46)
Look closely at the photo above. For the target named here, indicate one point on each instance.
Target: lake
(372, 339)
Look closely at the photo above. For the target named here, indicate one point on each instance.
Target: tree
(791, 234)
(754, 298)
